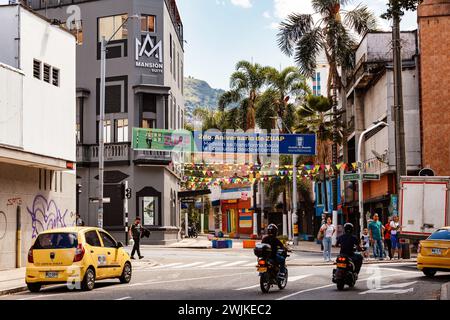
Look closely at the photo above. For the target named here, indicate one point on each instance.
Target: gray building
(144, 88)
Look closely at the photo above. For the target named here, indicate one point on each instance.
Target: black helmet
(348, 228)
(272, 230)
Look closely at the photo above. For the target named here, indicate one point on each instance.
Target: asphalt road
(187, 274)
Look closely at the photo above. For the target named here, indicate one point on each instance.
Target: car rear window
(56, 241)
(442, 234)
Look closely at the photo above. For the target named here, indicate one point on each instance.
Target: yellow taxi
(77, 256)
(434, 253)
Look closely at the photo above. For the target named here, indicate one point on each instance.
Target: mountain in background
(199, 94)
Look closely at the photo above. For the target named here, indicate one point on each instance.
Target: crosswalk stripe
(187, 265)
(234, 263)
(290, 279)
(167, 265)
(253, 264)
(212, 264)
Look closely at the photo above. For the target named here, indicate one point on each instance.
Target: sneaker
(141, 257)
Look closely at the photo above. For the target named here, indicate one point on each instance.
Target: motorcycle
(269, 272)
(344, 273)
(192, 232)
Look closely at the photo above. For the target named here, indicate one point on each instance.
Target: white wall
(49, 111)
(8, 33)
(11, 81)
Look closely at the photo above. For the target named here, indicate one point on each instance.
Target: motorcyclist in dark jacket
(275, 244)
(349, 243)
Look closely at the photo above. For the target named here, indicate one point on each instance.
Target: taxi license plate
(262, 269)
(341, 265)
(436, 251)
(51, 274)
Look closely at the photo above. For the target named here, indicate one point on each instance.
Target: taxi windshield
(56, 241)
(442, 234)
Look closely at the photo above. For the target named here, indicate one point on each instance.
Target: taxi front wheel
(429, 272)
(126, 273)
(88, 282)
(34, 287)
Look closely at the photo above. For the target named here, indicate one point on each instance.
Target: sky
(219, 33)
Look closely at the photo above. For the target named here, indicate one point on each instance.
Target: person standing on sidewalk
(376, 237)
(136, 233)
(395, 229)
(387, 238)
(329, 229)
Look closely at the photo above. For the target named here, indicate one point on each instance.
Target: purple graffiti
(46, 215)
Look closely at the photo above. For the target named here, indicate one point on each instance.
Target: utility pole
(101, 146)
(400, 152)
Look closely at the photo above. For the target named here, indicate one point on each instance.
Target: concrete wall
(11, 123)
(41, 208)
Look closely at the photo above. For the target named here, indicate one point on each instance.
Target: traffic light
(128, 193)
(79, 190)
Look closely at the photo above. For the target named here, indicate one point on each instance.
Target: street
(190, 274)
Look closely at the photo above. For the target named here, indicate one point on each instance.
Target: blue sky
(221, 32)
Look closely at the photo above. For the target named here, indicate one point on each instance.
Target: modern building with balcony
(37, 130)
(144, 88)
(370, 98)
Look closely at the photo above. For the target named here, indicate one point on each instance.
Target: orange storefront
(237, 219)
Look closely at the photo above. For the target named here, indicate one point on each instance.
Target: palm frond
(360, 19)
(291, 30)
(306, 51)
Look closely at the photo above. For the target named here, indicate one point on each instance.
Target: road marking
(165, 265)
(212, 264)
(290, 279)
(234, 263)
(386, 289)
(253, 264)
(124, 298)
(187, 265)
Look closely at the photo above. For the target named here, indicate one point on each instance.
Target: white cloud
(282, 8)
(220, 2)
(242, 3)
(266, 14)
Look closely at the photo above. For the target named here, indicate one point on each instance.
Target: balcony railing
(113, 152)
(153, 155)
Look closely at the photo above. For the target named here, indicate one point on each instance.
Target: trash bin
(406, 252)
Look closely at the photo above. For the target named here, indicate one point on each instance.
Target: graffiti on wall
(46, 215)
(13, 201)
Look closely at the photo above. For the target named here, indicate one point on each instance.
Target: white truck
(423, 206)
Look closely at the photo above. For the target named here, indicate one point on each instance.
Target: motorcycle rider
(275, 244)
(348, 242)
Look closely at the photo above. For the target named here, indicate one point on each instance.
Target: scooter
(345, 273)
(269, 273)
(192, 232)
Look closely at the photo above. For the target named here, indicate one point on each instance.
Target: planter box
(249, 244)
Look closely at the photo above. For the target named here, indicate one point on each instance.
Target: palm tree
(245, 83)
(305, 37)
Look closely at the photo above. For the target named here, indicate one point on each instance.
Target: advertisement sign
(162, 140)
(393, 206)
(149, 47)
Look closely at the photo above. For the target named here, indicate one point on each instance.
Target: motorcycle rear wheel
(340, 284)
(264, 282)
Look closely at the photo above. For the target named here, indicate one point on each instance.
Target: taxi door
(97, 252)
(112, 259)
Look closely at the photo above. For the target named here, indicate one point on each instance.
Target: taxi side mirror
(119, 245)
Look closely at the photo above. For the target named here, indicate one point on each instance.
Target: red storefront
(237, 219)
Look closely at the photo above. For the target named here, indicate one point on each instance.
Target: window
(47, 73)
(150, 211)
(78, 133)
(148, 123)
(108, 25)
(37, 69)
(174, 63)
(55, 77)
(92, 239)
(170, 51)
(108, 242)
(106, 131)
(122, 130)
(56, 241)
(148, 23)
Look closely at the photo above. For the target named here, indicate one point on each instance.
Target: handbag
(320, 234)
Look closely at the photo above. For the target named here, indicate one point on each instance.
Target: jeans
(388, 244)
(378, 249)
(136, 247)
(281, 261)
(326, 249)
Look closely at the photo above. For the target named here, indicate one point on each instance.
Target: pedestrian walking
(387, 238)
(395, 229)
(365, 240)
(328, 229)
(376, 237)
(79, 221)
(135, 233)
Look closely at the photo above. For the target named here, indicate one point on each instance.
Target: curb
(445, 291)
(13, 290)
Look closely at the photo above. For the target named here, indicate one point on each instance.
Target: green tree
(245, 83)
(398, 7)
(305, 37)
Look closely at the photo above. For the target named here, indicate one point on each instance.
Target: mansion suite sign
(149, 54)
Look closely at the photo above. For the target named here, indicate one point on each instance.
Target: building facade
(144, 88)
(37, 130)
(370, 98)
(434, 35)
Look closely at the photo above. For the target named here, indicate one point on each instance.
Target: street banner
(224, 142)
(162, 140)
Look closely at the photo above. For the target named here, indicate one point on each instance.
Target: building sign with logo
(149, 53)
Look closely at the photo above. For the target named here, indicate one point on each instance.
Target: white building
(319, 82)
(37, 129)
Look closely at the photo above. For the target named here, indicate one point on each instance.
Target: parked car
(77, 256)
(434, 253)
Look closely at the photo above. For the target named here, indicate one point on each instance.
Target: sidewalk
(12, 281)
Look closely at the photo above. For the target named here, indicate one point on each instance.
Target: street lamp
(360, 172)
(101, 144)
